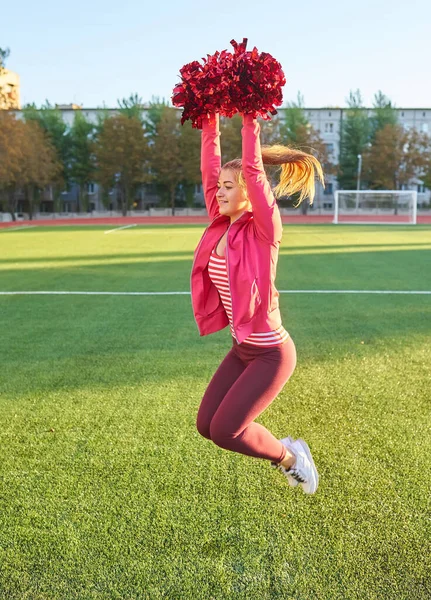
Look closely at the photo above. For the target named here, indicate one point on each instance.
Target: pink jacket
(251, 248)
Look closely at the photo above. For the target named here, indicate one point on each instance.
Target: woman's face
(232, 200)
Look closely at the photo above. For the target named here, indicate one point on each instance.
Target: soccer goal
(386, 207)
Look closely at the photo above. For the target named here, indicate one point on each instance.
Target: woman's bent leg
(232, 426)
(223, 379)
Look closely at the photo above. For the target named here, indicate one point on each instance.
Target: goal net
(370, 206)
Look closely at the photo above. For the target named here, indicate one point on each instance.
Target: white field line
(354, 292)
(118, 228)
(15, 228)
(40, 293)
(69, 293)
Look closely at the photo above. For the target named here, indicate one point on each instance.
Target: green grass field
(107, 490)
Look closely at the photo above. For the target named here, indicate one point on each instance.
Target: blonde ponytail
(298, 170)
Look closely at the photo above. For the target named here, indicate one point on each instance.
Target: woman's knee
(214, 431)
(203, 427)
(220, 435)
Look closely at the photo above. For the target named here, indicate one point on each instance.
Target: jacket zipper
(227, 264)
(228, 280)
(194, 259)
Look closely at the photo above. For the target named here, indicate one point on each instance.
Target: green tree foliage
(174, 154)
(121, 153)
(40, 164)
(3, 56)
(230, 138)
(384, 113)
(143, 144)
(132, 107)
(190, 152)
(51, 121)
(165, 153)
(293, 129)
(153, 116)
(354, 139)
(82, 159)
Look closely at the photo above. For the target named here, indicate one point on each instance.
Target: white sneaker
(304, 470)
(291, 480)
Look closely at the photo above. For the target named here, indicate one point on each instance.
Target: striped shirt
(217, 271)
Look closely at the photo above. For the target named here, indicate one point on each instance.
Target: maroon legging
(246, 382)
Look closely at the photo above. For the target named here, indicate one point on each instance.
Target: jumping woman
(233, 283)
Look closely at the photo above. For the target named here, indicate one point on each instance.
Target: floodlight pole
(358, 182)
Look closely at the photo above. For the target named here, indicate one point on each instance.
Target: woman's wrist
(248, 117)
(210, 120)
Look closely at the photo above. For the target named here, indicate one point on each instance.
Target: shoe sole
(310, 458)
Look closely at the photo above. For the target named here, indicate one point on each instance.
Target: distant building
(9, 90)
(326, 121)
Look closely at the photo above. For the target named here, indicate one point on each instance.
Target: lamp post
(358, 185)
(358, 182)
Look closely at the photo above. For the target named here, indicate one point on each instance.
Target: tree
(29, 161)
(51, 121)
(294, 128)
(131, 107)
(417, 155)
(82, 165)
(230, 138)
(11, 152)
(174, 153)
(165, 154)
(396, 157)
(190, 152)
(354, 139)
(295, 131)
(40, 163)
(3, 56)
(426, 171)
(384, 114)
(121, 152)
(153, 116)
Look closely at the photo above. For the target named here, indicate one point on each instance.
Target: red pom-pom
(245, 82)
(257, 81)
(204, 88)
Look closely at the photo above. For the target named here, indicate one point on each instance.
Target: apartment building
(10, 87)
(327, 121)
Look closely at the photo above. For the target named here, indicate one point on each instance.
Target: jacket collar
(246, 216)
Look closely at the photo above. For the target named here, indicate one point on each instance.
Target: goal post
(385, 207)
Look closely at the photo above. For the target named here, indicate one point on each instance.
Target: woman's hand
(210, 119)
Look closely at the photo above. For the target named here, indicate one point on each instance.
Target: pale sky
(95, 52)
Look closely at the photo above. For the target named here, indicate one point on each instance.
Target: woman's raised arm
(210, 162)
(266, 214)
